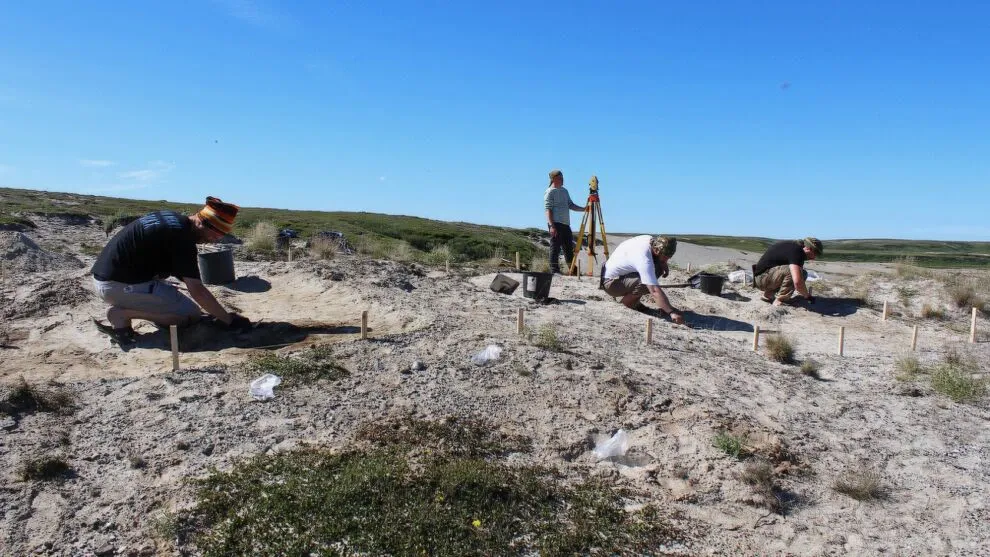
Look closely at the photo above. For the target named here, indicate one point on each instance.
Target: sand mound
(19, 253)
(49, 295)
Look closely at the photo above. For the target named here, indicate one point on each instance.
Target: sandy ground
(672, 397)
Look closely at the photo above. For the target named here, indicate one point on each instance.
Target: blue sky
(785, 119)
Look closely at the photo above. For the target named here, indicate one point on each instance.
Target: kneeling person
(780, 272)
(128, 272)
(633, 268)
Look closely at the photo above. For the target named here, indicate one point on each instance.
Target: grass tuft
(929, 312)
(438, 256)
(421, 491)
(964, 295)
(262, 238)
(860, 484)
(908, 367)
(546, 338)
(312, 365)
(958, 383)
(780, 349)
(324, 248)
(759, 475)
(23, 397)
(46, 468)
(810, 368)
(729, 444)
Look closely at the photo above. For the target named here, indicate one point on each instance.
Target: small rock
(7, 424)
(208, 450)
(105, 551)
(418, 366)
(182, 445)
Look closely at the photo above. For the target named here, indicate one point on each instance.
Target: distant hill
(466, 241)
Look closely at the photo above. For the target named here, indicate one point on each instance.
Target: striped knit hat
(218, 215)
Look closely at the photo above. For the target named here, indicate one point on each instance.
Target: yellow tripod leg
(577, 248)
(593, 206)
(601, 219)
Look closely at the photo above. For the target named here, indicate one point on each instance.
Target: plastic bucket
(711, 284)
(217, 267)
(537, 285)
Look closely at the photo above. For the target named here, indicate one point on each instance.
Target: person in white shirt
(632, 270)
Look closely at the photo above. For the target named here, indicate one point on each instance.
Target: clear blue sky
(781, 119)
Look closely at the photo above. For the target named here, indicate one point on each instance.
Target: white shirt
(633, 256)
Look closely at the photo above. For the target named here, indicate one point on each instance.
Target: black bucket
(217, 267)
(711, 284)
(537, 285)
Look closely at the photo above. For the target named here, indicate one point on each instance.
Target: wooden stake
(518, 266)
(689, 267)
(649, 331)
(914, 339)
(521, 321)
(448, 266)
(756, 337)
(972, 328)
(174, 332)
(290, 253)
(842, 338)
(364, 324)
(885, 310)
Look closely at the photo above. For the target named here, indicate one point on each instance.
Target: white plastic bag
(489, 354)
(263, 387)
(616, 446)
(742, 276)
(813, 277)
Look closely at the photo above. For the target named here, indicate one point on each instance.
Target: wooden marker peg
(364, 324)
(447, 266)
(689, 267)
(842, 338)
(885, 310)
(174, 333)
(914, 339)
(649, 331)
(972, 328)
(756, 337)
(290, 253)
(521, 321)
(518, 266)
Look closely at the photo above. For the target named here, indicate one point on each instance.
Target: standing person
(557, 203)
(632, 270)
(129, 271)
(781, 270)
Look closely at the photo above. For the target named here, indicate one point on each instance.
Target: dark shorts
(626, 285)
(154, 296)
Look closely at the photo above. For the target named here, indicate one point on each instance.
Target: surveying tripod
(592, 212)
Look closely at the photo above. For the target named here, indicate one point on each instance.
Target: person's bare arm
(574, 206)
(798, 278)
(205, 299)
(661, 299)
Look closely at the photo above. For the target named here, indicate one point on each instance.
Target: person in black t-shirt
(128, 272)
(780, 272)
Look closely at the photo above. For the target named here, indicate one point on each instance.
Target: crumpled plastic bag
(741, 276)
(263, 387)
(616, 446)
(489, 354)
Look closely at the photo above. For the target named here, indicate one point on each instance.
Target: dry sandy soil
(672, 397)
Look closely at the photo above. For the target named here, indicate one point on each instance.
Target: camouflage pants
(777, 282)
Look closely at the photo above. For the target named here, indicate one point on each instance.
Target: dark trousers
(563, 241)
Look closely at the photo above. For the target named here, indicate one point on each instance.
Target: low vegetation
(811, 368)
(45, 468)
(780, 349)
(729, 444)
(306, 367)
(760, 477)
(262, 238)
(324, 248)
(930, 312)
(861, 484)
(546, 338)
(957, 376)
(427, 489)
(22, 398)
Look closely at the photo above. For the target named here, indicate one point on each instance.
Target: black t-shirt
(786, 252)
(159, 244)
